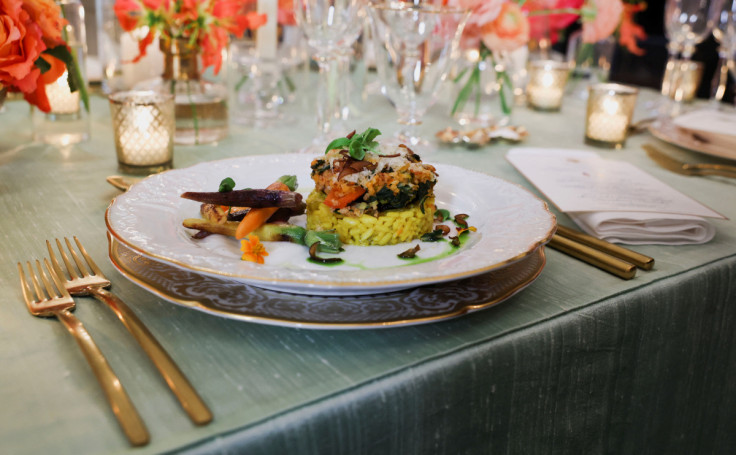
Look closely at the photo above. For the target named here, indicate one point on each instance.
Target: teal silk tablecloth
(579, 362)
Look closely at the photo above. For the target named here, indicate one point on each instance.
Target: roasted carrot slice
(338, 200)
(258, 216)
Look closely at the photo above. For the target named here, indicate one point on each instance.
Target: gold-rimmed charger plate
(230, 298)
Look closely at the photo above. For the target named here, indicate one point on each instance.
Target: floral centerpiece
(497, 27)
(190, 32)
(33, 51)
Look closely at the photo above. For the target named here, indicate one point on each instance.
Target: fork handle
(190, 400)
(122, 407)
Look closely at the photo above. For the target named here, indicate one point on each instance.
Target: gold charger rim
(114, 256)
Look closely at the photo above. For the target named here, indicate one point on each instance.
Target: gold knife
(594, 257)
(642, 261)
(669, 163)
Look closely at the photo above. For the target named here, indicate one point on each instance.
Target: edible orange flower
(253, 250)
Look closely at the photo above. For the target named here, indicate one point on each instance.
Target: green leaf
(226, 185)
(42, 64)
(370, 134)
(338, 143)
(356, 150)
(290, 181)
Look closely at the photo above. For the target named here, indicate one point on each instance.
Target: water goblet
(414, 49)
(328, 26)
(722, 18)
(686, 25)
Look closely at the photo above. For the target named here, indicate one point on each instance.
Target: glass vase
(67, 121)
(482, 92)
(200, 105)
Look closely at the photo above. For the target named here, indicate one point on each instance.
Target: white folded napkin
(641, 228)
(614, 200)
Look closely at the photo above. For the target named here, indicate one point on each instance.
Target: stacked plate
(708, 131)
(150, 246)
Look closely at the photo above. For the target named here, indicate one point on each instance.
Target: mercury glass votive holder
(681, 79)
(546, 86)
(144, 125)
(607, 120)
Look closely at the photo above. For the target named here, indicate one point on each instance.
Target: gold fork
(56, 302)
(94, 283)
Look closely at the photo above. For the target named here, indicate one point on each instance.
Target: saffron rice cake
(384, 198)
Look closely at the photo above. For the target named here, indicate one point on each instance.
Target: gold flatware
(594, 257)
(91, 281)
(56, 302)
(122, 183)
(642, 261)
(679, 167)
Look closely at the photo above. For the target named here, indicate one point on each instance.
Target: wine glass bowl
(414, 49)
(329, 26)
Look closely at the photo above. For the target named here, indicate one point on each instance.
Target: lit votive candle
(61, 99)
(143, 123)
(610, 108)
(546, 86)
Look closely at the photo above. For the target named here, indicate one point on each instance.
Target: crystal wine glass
(722, 18)
(686, 25)
(328, 26)
(414, 46)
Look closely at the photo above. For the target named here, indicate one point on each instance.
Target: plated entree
(365, 194)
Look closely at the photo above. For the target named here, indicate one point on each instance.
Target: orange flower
(205, 23)
(600, 19)
(509, 31)
(629, 31)
(28, 28)
(253, 250)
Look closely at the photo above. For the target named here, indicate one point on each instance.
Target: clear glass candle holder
(67, 121)
(610, 108)
(681, 79)
(144, 126)
(546, 86)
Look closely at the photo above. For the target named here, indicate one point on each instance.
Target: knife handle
(642, 261)
(596, 258)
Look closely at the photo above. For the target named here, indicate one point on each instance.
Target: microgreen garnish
(226, 185)
(357, 144)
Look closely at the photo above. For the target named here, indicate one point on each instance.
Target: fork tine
(95, 270)
(24, 286)
(69, 267)
(82, 269)
(56, 279)
(40, 296)
(50, 291)
(55, 262)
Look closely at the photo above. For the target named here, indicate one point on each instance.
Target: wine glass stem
(328, 99)
(720, 78)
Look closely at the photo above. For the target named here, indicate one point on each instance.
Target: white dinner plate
(511, 224)
(667, 131)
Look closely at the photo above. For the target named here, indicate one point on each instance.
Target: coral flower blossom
(253, 250)
(548, 25)
(509, 31)
(205, 23)
(27, 29)
(600, 19)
